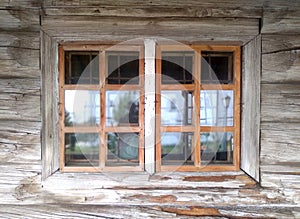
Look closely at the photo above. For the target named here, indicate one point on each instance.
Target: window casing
(187, 78)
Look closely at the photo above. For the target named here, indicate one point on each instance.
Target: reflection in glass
(216, 147)
(177, 67)
(82, 107)
(122, 149)
(123, 67)
(176, 148)
(216, 108)
(82, 149)
(81, 67)
(176, 107)
(122, 108)
(217, 67)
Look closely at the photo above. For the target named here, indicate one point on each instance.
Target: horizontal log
(155, 11)
(92, 28)
(24, 20)
(16, 106)
(279, 141)
(281, 67)
(281, 20)
(23, 56)
(275, 43)
(281, 180)
(20, 3)
(280, 103)
(211, 3)
(18, 39)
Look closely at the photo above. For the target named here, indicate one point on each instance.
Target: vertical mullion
(61, 106)
(149, 130)
(102, 75)
(237, 79)
(197, 105)
(158, 108)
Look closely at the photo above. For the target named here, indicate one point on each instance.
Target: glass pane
(82, 149)
(123, 67)
(122, 108)
(176, 107)
(176, 148)
(81, 68)
(216, 148)
(122, 149)
(216, 108)
(177, 67)
(82, 108)
(217, 67)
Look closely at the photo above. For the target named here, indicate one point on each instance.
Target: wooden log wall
(234, 195)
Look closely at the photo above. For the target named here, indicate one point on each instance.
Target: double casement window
(104, 95)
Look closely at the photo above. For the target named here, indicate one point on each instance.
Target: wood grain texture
(280, 103)
(251, 108)
(124, 28)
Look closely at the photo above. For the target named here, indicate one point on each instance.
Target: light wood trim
(237, 106)
(217, 48)
(124, 48)
(158, 109)
(217, 86)
(197, 106)
(91, 169)
(85, 47)
(217, 129)
(121, 169)
(122, 129)
(61, 81)
(119, 87)
(80, 87)
(177, 128)
(81, 129)
(188, 87)
(175, 48)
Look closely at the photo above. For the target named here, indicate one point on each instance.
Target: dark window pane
(217, 67)
(176, 148)
(81, 68)
(216, 148)
(82, 149)
(177, 67)
(123, 68)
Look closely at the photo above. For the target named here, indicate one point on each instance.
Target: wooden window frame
(196, 88)
(250, 102)
(102, 87)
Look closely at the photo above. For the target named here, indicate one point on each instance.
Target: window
(102, 104)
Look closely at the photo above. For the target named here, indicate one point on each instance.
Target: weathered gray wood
(280, 103)
(184, 29)
(25, 20)
(21, 3)
(155, 11)
(251, 108)
(281, 20)
(279, 43)
(50, 141)
(281, 67)
(19, 39)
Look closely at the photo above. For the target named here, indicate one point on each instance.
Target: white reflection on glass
(122, 108)
(176, 108)
(82, 107)
(216, 108)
